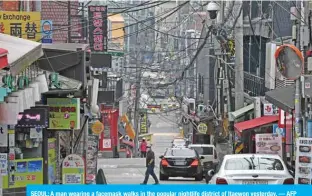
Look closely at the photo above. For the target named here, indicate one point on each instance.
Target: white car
(249, 169)
(209, 153)
(178, 143)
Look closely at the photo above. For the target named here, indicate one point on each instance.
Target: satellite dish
(289, 61)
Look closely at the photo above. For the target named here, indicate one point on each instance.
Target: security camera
(213, 9)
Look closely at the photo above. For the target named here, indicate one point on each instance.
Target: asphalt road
(131, 171)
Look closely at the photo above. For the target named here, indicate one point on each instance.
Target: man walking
(150, 165)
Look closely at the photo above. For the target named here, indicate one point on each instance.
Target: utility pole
(239, 60)
(69, 22)
(137, 96)
(296, 39)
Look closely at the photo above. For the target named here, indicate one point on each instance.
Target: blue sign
(168, 190)
(46, 31)
(278, 131)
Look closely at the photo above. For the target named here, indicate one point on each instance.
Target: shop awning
(254, 123)
(21, 52)
(283, 98)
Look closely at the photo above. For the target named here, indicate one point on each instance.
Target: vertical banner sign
(24, 25)
(269, 144)
(92, 155)
(303, 161)
(98, 28)
(51, 160)
(46, 30)
(3, 136)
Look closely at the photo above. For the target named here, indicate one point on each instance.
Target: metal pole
(69, 22)
(298, 116)
(239, 60)
(137, 97)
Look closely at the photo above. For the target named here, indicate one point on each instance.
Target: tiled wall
(57, 12)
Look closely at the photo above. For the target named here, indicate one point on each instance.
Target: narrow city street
(131, 171)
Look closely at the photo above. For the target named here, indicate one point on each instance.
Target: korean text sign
(64, 113)
(21, 24)
(98, 28)
(27, 171)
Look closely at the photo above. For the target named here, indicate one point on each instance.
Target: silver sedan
(249, 169)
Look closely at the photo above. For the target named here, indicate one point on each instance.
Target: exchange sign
(24, 25)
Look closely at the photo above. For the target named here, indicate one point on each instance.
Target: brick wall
(57, 12)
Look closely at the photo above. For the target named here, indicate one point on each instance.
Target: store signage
(47, 31)
(34, 117)
(303, 161)
(202, 128)
(64, 113)
(289, 119)
(97, 127)
(73, 169)
(98, 28)
(24, 25)
(269, 109)
(269, 144)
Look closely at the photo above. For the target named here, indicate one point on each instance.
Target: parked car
(178, 143)
(209, 153)
(249, 169)
(180, 162)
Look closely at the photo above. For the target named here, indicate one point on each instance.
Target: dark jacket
(150, 158)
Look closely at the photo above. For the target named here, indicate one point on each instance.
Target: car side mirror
(211, 173)
(161, 157)
(202, 157)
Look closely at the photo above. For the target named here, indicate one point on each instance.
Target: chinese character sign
(98, 28)
(24, 25)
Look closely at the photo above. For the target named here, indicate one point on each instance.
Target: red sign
(289, 119)
(3, 58)
(110, 133)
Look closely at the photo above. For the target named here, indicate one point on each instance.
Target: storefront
(245, 132)
(28, 148)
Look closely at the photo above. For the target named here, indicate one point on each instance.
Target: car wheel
(163, 177)
(199, 177)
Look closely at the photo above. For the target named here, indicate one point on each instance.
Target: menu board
(92, 154)
(269, 144)
(303, 161)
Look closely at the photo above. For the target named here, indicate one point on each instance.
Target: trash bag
(100, 177)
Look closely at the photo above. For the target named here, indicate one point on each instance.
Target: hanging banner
(64, 113)
(269, 144)
(92, 155)
(98, 28)
(73, 170)
(24, 25)
(303, 161)
(143, 122)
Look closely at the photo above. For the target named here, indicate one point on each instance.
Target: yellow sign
(52, 160)
(202, 128)
(64, 113)
(21, 24)
(97, 127)
(143, 123)
(27, 171)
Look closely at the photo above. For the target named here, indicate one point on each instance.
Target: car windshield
(184, 152)
(253, 163)
(203, 150)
